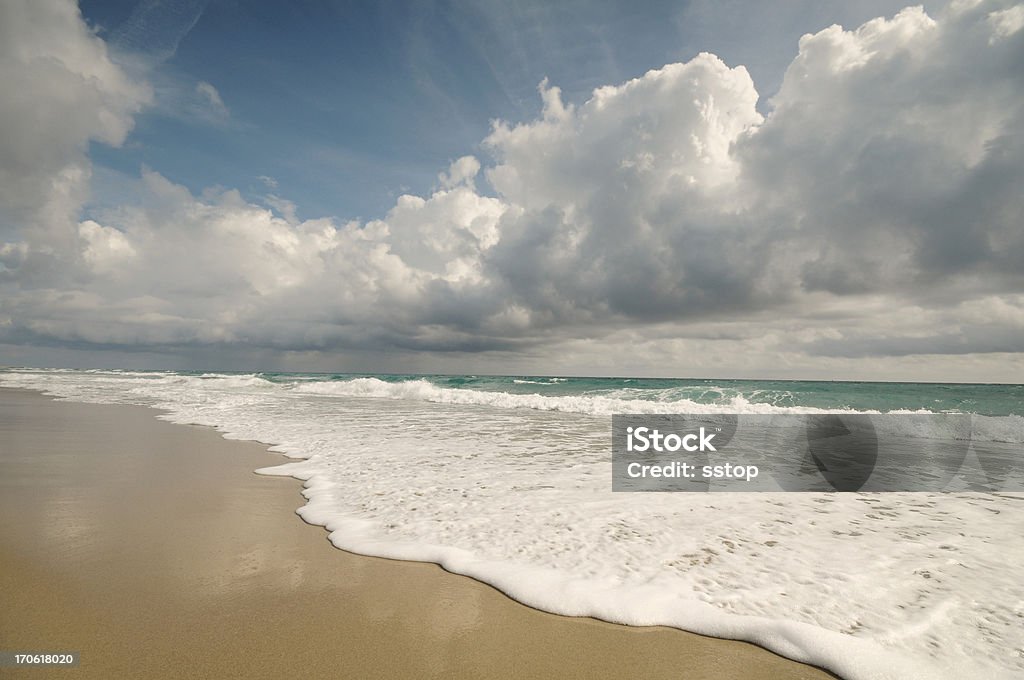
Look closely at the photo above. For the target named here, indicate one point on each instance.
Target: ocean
(507, 479)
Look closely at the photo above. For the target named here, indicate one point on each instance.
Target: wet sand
(155, 551)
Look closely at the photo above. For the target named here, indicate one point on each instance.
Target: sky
(798, 189)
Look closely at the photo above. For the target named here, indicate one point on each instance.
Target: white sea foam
(597, 405)
(1000, 429)
(515, 490)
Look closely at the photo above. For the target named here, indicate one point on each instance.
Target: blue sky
(346, 105)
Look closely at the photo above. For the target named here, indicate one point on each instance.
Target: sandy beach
(155, 551)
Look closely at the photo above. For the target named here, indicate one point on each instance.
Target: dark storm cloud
(979, 340)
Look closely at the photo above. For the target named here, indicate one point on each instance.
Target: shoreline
(146, 545)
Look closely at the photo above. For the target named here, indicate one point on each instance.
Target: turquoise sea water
(985, 399)
(981, 399)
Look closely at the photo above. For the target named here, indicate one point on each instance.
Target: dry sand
(154, 550)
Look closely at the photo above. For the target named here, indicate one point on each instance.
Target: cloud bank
(61, 92)
(873, 214)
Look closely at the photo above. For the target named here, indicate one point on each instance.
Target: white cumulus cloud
(61, 91)
(873, 211)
